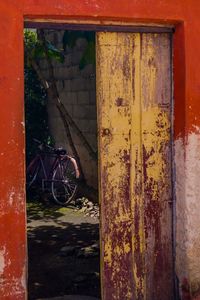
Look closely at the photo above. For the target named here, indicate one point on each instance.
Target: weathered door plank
(114, 81)
(156, 152)
(134, 106)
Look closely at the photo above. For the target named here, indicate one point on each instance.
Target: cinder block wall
(77, 92)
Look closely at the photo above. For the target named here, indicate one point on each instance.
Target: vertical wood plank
(114, 98)
(156, 151)
(137, 202)
(134, 106)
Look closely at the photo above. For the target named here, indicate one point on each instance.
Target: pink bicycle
(55, 172)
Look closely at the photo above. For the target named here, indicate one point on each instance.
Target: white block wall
(77, 92)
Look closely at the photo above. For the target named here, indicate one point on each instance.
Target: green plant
(36, 50)
(36, 118)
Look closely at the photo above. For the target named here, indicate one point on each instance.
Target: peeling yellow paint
(138, 241)
(156, 160)
(127, 248)
(134, 133)
(114, 105)
(108, 252)
(154, 139)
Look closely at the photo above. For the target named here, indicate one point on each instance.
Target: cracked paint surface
(134, 108)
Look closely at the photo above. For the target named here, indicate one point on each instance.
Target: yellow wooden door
(134, 114)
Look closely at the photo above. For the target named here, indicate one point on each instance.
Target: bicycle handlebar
(54, 150)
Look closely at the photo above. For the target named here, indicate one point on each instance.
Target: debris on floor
(88, 207)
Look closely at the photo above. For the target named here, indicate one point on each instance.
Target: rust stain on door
(134, 105)
(114, 81)
(156, 151)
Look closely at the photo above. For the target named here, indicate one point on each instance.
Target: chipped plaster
(2, 260)
(11, 196)
(187, 161)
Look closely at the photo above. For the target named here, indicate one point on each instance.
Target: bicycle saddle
(60, 151)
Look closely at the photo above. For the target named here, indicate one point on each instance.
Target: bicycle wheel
(64, 181)
(32, 173)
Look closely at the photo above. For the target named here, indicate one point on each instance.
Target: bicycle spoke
(63, 185)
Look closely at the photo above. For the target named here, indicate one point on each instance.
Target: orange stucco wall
(182, 13)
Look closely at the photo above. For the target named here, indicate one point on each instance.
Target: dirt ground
(63, 252)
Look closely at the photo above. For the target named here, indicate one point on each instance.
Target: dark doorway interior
(63, 238)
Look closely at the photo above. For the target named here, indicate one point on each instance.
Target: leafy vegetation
(36, 117)
(35, 48)
(35, 112)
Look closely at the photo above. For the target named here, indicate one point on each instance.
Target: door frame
(124, 27)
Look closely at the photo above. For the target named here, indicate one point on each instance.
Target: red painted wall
(182, 13)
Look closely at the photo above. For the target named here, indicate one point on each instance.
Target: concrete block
(83, 97)
(57, 72)
(69, 108)
(66, 73)
(92, 139)
(87, 112)
(74, 71)
(67, 85)
(76, 139)
(57, 129)
(60, 85)
(80, 112)
(78, 84)
(84, 125)
(90, 84)
(53, 112)
(55, 63)
(92, 112)
(93, 126)
(88, 71)
(62, 72)
(68, 97)
(93, 97)
(82, 153)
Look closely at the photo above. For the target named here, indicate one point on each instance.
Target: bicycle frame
(40, 160)
(59, 170)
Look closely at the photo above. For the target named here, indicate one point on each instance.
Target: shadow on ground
(52, 270)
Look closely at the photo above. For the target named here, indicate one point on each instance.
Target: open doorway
(134, 96)
(62, 173)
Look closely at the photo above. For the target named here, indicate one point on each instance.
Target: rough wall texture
(77, 92)
(187, 158)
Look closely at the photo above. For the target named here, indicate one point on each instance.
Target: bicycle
(53, 169)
